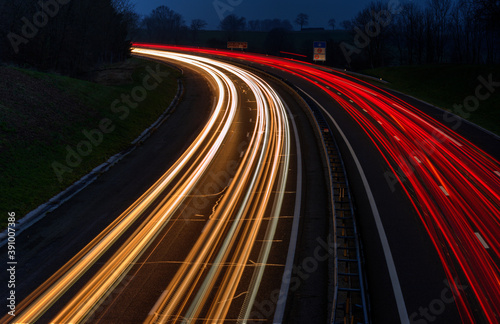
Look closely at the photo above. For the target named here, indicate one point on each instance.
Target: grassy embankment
(42, 114)
(446, 85)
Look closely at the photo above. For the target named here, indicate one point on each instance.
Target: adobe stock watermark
(121, 108)
(293, 277)
(372, 29)
(430, 313)
(11, 263)
(48, 10)
(224, 6)
(426, 147)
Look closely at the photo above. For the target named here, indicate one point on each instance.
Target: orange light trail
(255, 193)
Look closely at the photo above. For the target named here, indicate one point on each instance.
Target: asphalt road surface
(208, 240)
(199, 224)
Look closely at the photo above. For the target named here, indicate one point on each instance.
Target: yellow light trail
(60, 282)
(256, 192)
(233, 230)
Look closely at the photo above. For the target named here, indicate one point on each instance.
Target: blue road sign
(319, 44)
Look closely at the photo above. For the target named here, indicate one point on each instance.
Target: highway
(209, 240)
(429, 177)
(205, 230)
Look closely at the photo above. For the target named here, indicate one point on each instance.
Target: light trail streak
(60, 282)
(427, 157)
(254, 194)
(237, 222)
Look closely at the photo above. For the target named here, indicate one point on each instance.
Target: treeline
(438, 31)
(165, 25)
(70, 37)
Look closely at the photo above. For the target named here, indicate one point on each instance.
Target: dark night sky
(319, 11)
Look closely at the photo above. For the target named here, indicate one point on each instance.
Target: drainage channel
(349, 297)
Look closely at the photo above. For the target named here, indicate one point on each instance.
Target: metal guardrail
(349, 304)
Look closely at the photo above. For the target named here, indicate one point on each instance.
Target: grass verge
(44, 116)
(447, 85)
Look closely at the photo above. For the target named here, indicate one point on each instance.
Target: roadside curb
(356, 74)
(55, 202)
(444, 111)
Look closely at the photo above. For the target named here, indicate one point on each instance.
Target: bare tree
(126, 9)
(435, 31)
(487, 14)
(302, 20)
(411, 29)
(331, 23)
(197, 25)
(233, 23)
(254, 25)
(164, 25)
(438, 22)
(346, 25)
(375, 33)
(465, 32)
(72, 40)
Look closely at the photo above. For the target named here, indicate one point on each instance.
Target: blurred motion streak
(453, 185)
(254, 194)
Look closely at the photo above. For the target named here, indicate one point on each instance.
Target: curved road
(430, 195)
(199, 241)
(427, 201)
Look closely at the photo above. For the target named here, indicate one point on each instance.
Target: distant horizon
(319, 11)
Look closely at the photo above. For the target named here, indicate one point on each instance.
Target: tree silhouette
(331, 23)
(302, 20)
(73, 39)
(196, 25)
(164, 25)
(233, 23)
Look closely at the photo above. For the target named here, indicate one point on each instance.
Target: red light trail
(295, 54)
(453, 185)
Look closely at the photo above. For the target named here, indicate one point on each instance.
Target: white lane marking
(444, 191)
(449, 137)
(241, 154)
(483, 242)
(339, 93)
(378, 121)
(287, 274)
(435, 128)
(497, 173)
(365, 90)
(248, 134)
(417, 159)
(396, 287)
(250, 119)
(397, 138)
(350, 100)
(365, 110)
